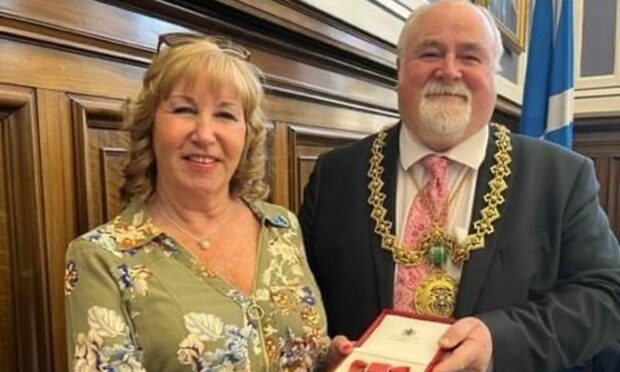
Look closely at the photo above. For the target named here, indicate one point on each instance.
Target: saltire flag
(548, 96)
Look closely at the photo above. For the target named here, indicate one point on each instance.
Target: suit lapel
(384, 264)
(476, 269)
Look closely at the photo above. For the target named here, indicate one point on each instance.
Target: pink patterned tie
(419, 223)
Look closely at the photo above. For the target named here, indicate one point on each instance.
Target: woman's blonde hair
(196, 58)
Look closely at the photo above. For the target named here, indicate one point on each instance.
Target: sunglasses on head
(175, 39)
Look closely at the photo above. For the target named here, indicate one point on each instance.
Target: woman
(197, 273)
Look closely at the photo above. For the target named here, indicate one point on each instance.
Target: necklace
(203, 241)
(436, 294)
(483, 226)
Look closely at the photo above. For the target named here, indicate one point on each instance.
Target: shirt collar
(135, 227)
(470, 152)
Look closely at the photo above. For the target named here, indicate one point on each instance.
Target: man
(446, 215)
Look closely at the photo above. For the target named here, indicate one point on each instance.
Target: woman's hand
(340, 347)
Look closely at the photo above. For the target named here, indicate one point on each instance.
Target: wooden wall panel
(101, 147)
(59, 204)
(35, 66)
(24, 314)
(305, 144)
(85, 24)
(319, 61)
(326, 114)
(305, 19)
(8, 346)
(287, 26)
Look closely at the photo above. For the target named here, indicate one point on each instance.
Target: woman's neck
(194, 213)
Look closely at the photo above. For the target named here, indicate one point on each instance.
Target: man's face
(446, 82)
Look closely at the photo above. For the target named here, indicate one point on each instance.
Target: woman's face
(198, 139)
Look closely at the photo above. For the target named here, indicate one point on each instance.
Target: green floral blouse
(139, 301)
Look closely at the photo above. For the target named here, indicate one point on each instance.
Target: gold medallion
(436, 295)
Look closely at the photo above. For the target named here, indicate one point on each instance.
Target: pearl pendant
(204, 244)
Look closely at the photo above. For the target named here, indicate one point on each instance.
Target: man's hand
(471, 347)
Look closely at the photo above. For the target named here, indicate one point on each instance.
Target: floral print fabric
(138, 301)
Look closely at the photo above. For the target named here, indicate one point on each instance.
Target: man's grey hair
(497, 36)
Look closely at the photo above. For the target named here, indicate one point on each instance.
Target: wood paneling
(8, 346)
(291, 75)
(24, 328)
(88, 25)
(59, 204)
(299, 57)
(305, 144)
(101, 148)
(326, 114)
(305, 19)
(36, 66)
(294, 29)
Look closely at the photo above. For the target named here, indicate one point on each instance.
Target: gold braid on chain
(483, 226)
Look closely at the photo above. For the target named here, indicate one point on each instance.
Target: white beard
(446, 117)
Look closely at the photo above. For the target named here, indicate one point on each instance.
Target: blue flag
(548, 97)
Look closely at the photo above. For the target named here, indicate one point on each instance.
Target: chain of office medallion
(483, 227)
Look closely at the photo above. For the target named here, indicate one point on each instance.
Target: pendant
(438, 255)
(436, 295)
(437, 246)
(204, 244)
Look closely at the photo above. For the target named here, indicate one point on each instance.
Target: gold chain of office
(483, 227)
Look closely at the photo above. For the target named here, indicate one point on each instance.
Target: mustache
(457, 89)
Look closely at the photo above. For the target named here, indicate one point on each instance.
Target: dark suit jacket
(547, 283)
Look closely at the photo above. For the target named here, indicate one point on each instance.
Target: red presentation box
(398, 342)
